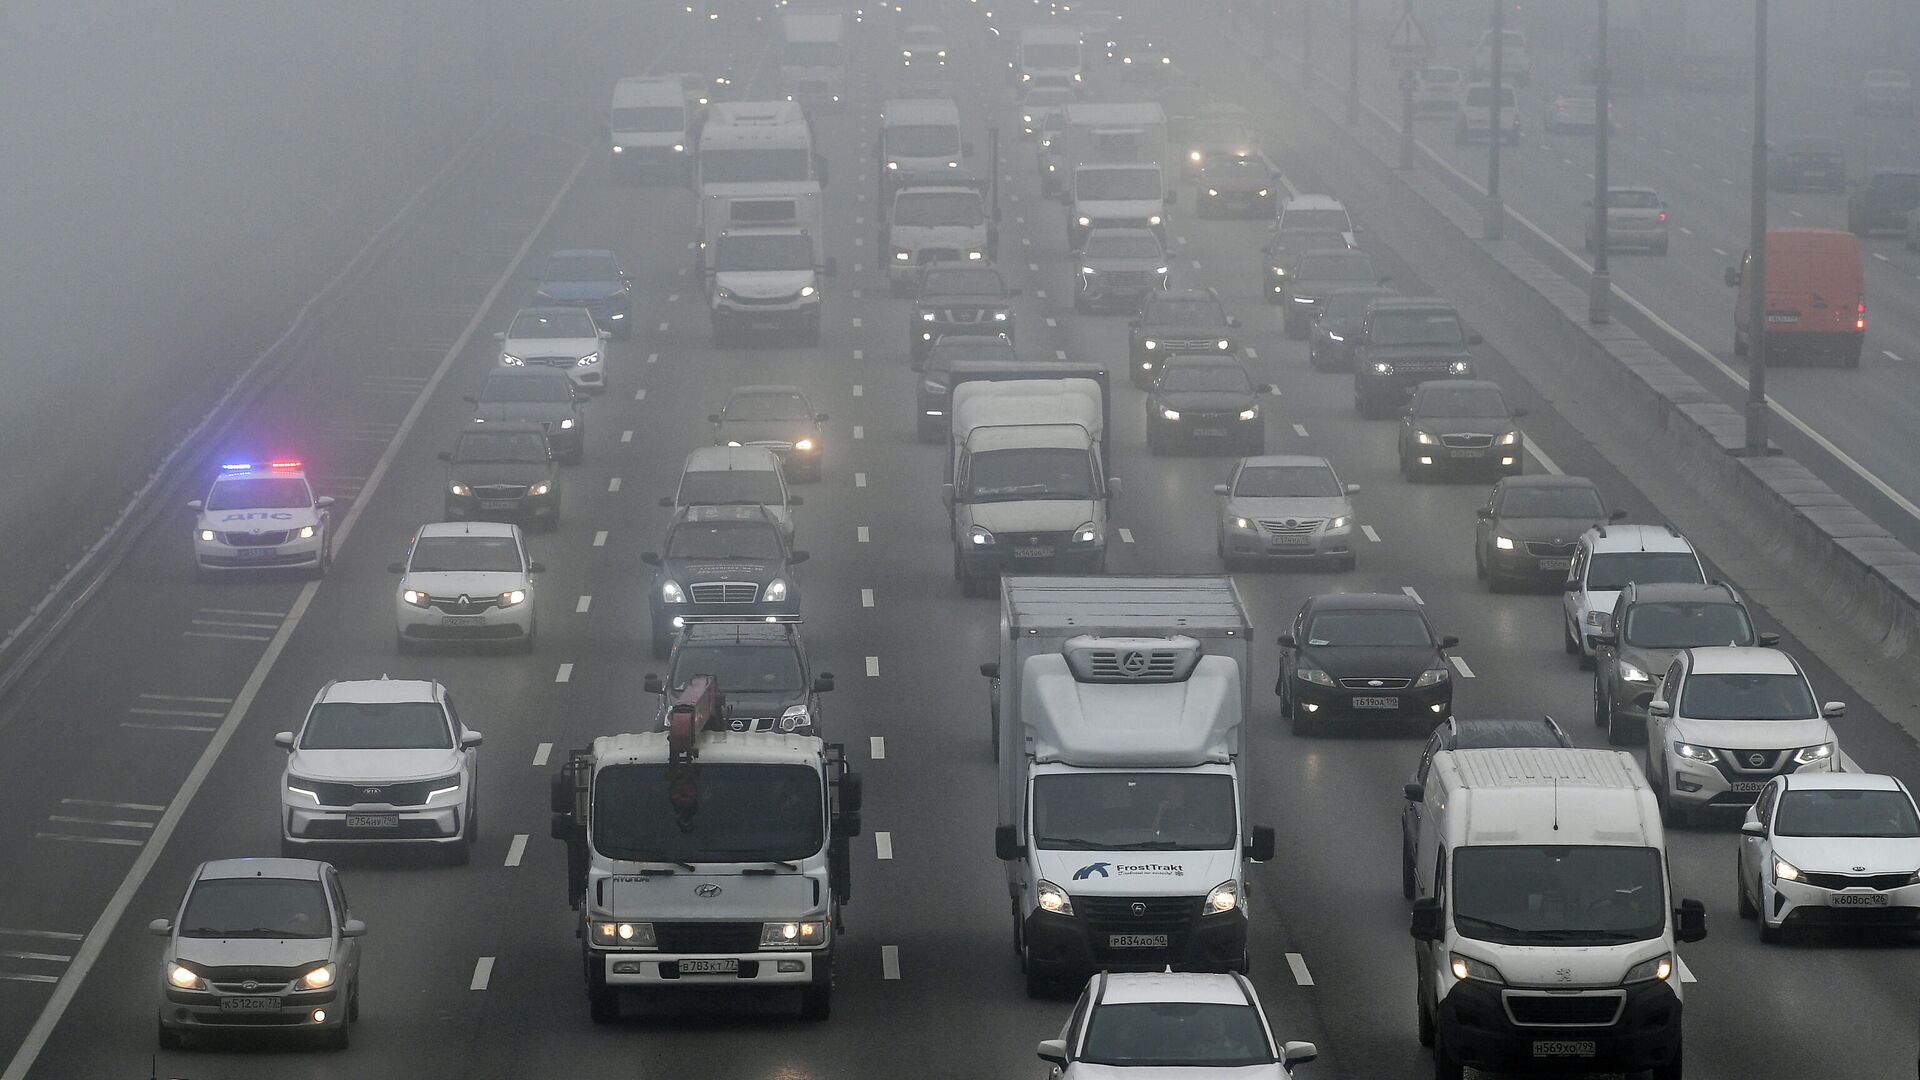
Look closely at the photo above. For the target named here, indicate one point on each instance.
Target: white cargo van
(649, 127)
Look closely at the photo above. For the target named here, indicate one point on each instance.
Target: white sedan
(1155, 1025)
(557, 337)
(466, 581)
(1830, 849)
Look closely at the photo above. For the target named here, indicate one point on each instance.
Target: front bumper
(785, 968)
(1426, 705)
(1504, 460)
(526, 508)
(1796, 903)
(1070, 947)
(493, 624)
(1094, 292)
(1477, 1027)
(1398, 384)
(777, 315)
(1251, 203)
(216, 555)
(435, 824)
(1519, 564)
(203, 1010)
(922, 334)
(1255, 542)
(986, 560)
(1696, 784)
(665, 615)
(1224, 432)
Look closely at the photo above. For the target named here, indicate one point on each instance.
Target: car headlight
(1242, 523)
(979, 536)
(413, 596)
(540, 489)
(457, 488)
(1149, 344)
(513, 598)
(567, 424)
(807, 290)
(1659, 968)
(1812, 754)
(318, 978)
(672, 593)
(776, 591)
(206, 534)
(679, 148)
(1279, 271)
(1433, 676)
(1702, 754)
(1194, 156)
(1510, 438)
(1161, 270)
(975, 255)
(1225, 897)
(1599, 618)
(588, 360)
(1303, 299)
(1213, 192)
(1331, 336)
(793, 935)
(1154, 220)
(1262, 192)
(618, 149)
(893, 166)
(1053, 898)
(1084, 221)
(1087, 533)
(1784, 870)
(721, 292)
(1466, 968)
(1424, 439)
(934, 386)
(803, 444)
(1223, 345)
(1088, 271)
(306, 532)
(181, 977)
(1504, 543)
(1001, 316)
(636, 935)
(1250, 414)
(794, 718)
(1170, 414)
(1026, 119)
(511, 360)
(927, 316)
(1313, 675)
(1459, 367)
(1337, 523)
(902, 256)
(1630, 673)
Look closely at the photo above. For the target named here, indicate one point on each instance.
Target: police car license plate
(499, 504)
(257, 553)
(1555, 564)
(1033, 552)
(373, 821)
(1857, 899)
(462, 620)
(1558, 1048)
(1747, 785)
(716, 966)
(249, 1003)
(1136, 941)
(1209, 433)
(1376, 703)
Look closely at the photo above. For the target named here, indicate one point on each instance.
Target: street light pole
(1353, 61)
(1407, 80)
(1600, 286)
(1756, 268)
(1496, 217)
(1306, 42)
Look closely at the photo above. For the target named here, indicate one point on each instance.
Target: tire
(1567, 641)
(1852, 357)
(1671, 1070)
(1406, 869)
(291, 850)
(816, 1002)
(1769, 935)
(168, 1039)
(1039, 987)
(603, 1004)
(1423, 1020)
(325, 562)
(1739, 345)
(1601, 710)
(1745, 904)
(353, 1003)
(525, 645)
(1349, 562)
(662, 641)
(1660, 248)
(1672, 814)
(1445, 1066)
(1479, 564)
(339, 1038)
(1623, 734)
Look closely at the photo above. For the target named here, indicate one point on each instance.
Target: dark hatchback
(1236, 187)
(933, 402)
(1363, 659)
(1455, 733)
(1810, 163)
(1206, 401)
(1528, 529)
(779, 418)
(1460, 425)
(1283, 247)
(727, 561)
(536, 396)
(503, 472)
(760, 666)
(1331, 339)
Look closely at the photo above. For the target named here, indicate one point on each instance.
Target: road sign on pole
(1409, 46)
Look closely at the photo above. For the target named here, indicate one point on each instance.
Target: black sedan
(1364, 658)
(1316, 274)
(933, 404)
(1530, 525)
(503, 472)
(1460, 424)
(540, 396)
(1206, 401)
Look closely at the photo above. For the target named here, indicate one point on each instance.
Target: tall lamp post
(1353, 61)
(1496, 218)
(1600, 286)
(1756, 268)
(1306, 42)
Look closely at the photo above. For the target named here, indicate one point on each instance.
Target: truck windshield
(1029, 473)
(743, 813)
(650, 118)
(922, 140)
(785, 251)
(1537, 895)
(1118, 184)
(1119, 811)
(938, 208)
(755, 165)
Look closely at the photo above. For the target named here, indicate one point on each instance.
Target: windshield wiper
(1072, 843)
(647, 856)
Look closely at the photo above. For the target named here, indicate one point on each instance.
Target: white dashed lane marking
(1409, 590)
(1460, 666)
(873, 667)
(541, 753)
(859, 355)
(640, 394)
(1300, 430)
(883, 845)
(517, 849)
(858, 390)
(580, 607)
(600, 538)
(890, 962)
(565, 673)
(1298, 964)
(1372, 536)
(613, 483)
(626, 436)
(866, 597)
(482, 973)
(1891, 355)
(859, 431)
(860, 534)
(653, 358)
(859, 479)
(877, 747)
(1126, 536)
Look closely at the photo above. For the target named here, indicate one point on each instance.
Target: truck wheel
(1747, 910)
(603, 1005)
(1445, 1067)
(1567, 641)
(1406, 877)
(1669, 1071)
(1423, 1024)
(816, 1002)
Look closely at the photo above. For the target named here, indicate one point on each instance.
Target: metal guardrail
(29, 639)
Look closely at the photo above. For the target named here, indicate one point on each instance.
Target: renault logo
(707, 891)
(1133, 663)
(1139, 910)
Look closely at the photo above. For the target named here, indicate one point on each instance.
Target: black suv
(1403, 343)
(932, 401)
(1206, 401)
(761, 667)
(1883, 199)
(503, 472)
(1651, 623)
(1458, 734)
(1175, 323)
(1530, 525)
(536, 396)
(729, 561)
(1315, 273)
(1460, 425)
(1807, 163)
(1364, 658)
(959, 298)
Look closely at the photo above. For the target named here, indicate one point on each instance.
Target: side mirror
(396, 568)
(323, 502)
(1769, 640)
(1428, 922)
(1260, 849)
(283, 739)
(444, 455)
(1006, 844)
(1752, 828)
(353, 928)
(795, 558)
(471, 739)
(1833, 710)
(1690, 921)
(1475, 339)
(604, 335)
(1220, 489)
(160, 927)
(1449, 641)
(196, 505)
(819, 418)
(1113, 487)
(1602, 637)
(990, 669)
(795, 500)
(651, 558)
(666, 500)
(1484, 514)
(1659, 708)
(1732, 277)
(1519, 412)
(1617, 515)
(1414, 792)
(1233, 323)
(823, 682)
(536, 567)
(650, 683)
(713, 418)
(947, 495)
(851, 793)
(1299, 1053)
(1353, 489)
(1053, 1052)
(1287, 641)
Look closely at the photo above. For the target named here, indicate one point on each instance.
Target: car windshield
(1552, 502)
(260, 493)
(551, 324)
(377, 725)
(1184, 313)
(650, 118)
(1176, 1034)
(718, 812)
(1415, 328)
(739, 669)
(1878, 814)
(256, 907)
(516, 388)
(1671, 625)
(1362, 626)
(726, 541)
(1336, 266)
(1746, 696)
(1477, 403)
(1120, 811)
(779, 251)
(1049, 54)
(962, 283)
(1308, 218)
(470, 554)
(581, 268)
(1633, 200)
(922, 140)
(1350, 305)
(755, 165)
(1117, 183)
(1216, 378)
(731, 487)
(1218, 133)
(767, 407)
(1526, 894)
(1287, 482)
(502, 447)
(1122, 246)
(1029, 473)
(1611, 570)
(960, 208)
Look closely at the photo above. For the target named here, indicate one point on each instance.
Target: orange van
(1816, 297)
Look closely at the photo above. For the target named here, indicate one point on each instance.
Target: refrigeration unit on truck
(706, 859)
(1120, 723)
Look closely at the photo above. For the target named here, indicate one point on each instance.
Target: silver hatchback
(1636, 218)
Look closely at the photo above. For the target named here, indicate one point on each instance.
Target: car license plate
(499, 504)
(717, 966)
(1465, 453)
(257, 553)
(1783, 319)
(1376, 703)
(462, 620)
(1555, 564)
(373, 821)
(1857, 899)
(249, 1003)
(1292, 541)
(1747, 785)
(1557, 1048)
(1136, 941)
(1033, 553)
(1209, 433)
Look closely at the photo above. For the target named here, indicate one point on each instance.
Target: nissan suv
(1650, 625)
(1176, 323)
(959, 298)
(762, 668)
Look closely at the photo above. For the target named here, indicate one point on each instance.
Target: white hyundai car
(1830, 849)
(557, 337)
(261, 516)
(466, 581)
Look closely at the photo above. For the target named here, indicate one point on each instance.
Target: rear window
(1633, 200)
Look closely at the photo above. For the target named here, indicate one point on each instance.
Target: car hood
(1849, 854)
(1238, 182)
(579, 290)
(1464, 425)
(1557, 530)
(1205, 400)
(531, 412)
(1129, 208)
(1133, 873)
(1039, 515)
(1112, 264)
(1371, 661)
(1395, 352)
(1330, 506)
(689, 570)
(763, 284)
(1322, 286)
(749, 432)
(464, 582)
(252, 952)
(287, 518)
(1752, 734)
(1081, 1070)
(381, 766)
(499, 472)
(525, 347)
(752, 706)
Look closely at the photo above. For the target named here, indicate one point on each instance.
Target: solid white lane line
(877, 747)
(890, 962)
(1300, 430)
(108, 805)
(516, 849)
(482, 973)
(242, 611)
(653, 358)
(196, 729)
(1051, 322)
(1301, 976)
(866, 597)
(110, 840)
(673, 298)
(860, 533)
(613, 484)
(883, 845)
(1126, 536)
(859, 479)
(1460, 666)
(1367, 530)
(580, 607)
(1251, 353)
(1409, 590)
(541, 753)
(873, 667)
(565, 673)
(13, 977)
(118, 823)
(859, 431)
(1540, 455)
(182, 697)
(600, 538)
(1686, 973)
(202, 713)
(50, 935)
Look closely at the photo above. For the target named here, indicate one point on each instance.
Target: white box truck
(1121, 169)
(813, 58)
(1120, 726)
(1545, 929)
(1049, 56)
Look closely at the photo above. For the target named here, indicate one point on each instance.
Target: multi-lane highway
(145, 746)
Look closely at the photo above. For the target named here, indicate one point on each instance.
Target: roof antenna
(1556, 804)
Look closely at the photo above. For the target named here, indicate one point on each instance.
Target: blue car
(592, 279)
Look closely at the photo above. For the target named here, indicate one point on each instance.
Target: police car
(262, 516)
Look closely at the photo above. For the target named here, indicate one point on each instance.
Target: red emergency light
(700, 705)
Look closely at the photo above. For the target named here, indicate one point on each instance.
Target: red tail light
(1663, 215)
(1860, 320)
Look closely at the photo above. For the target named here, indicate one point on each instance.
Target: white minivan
(735, 476)
(1475, 117)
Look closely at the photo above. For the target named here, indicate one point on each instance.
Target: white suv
(1728, 719)
(261, 516)
(380, 761)
(466, 581)
(1608, 557)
